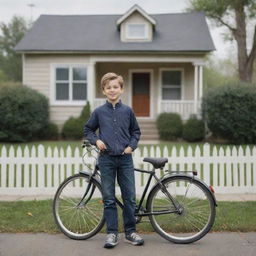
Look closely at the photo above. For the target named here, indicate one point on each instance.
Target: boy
(119, 134)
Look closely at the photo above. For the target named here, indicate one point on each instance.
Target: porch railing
(183, 107)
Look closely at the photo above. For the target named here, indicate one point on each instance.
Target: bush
(169, 126)
(50, 132)
(24, 112)
(230, 112)
(73, 127)
(86, 112)
(193, 129)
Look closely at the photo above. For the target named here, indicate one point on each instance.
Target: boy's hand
(128, 150)
(100, 144)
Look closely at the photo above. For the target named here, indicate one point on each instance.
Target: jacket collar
(118, 104)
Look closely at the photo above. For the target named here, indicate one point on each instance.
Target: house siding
(37, 75)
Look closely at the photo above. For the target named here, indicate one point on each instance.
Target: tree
(10, 61)
(235, 15)
(219, 72)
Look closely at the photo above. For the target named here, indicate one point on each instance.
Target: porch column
(198, 85)
(201, 68)
(195, 87)
(91, 84)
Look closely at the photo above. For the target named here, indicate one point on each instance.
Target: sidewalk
(219, 197)
(221, 244)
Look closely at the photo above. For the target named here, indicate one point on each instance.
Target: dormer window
(136, 31)
(136, 26)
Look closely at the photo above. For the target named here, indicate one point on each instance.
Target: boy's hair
(111, 76)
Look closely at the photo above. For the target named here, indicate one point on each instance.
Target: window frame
(171, 86)
(70, 101)
(129, 37)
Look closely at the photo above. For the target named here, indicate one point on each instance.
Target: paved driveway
(228, 244)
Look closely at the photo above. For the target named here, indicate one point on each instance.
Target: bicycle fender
(169, 175)
(87, 173)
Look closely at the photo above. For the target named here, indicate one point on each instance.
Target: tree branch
(223, 22)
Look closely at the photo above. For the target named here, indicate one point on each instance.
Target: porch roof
(180, 32)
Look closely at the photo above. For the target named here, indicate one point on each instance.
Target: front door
(141, 94)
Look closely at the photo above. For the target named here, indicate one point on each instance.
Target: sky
(32, 9)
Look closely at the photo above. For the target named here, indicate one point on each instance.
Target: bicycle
(177, 198)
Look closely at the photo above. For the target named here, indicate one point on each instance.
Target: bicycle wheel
(76, 219)
(196, 215)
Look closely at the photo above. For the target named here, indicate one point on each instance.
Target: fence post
(18, 168)
(41, 157)
(3, 167)
(206, 163)
(12, 179)
(26, 166)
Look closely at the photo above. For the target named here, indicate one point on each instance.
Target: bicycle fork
(81, 203)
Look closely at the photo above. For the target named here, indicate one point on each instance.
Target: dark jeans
(122, 168)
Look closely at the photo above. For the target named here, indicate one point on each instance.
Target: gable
(139, 10)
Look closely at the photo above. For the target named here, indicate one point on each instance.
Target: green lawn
(36, 216)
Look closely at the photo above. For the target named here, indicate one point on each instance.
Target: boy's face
(113, 91)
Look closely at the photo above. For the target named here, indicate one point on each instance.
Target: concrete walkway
(219, 197)
(221, 244)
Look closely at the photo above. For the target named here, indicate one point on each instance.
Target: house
(160, 56)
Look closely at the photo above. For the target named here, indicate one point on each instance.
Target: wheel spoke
(77, 220)
(196, 214)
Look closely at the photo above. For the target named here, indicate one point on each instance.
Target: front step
(148, 129)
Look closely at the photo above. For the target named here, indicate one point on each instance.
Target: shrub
(50, 132)
(24, 112)
(86, 112)
(169, 126)
(193, 129)
(230, 112)
(73, 127)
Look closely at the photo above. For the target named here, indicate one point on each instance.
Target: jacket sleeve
(134, 132)
(90, 127)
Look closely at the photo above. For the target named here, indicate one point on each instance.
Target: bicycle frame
(152, 174)
(139, 211)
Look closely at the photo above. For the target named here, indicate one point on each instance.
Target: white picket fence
(40, 170)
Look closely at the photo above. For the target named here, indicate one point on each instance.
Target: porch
(152, 84)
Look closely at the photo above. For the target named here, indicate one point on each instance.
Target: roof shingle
(97, 33)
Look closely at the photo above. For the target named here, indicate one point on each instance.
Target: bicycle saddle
(156, 162)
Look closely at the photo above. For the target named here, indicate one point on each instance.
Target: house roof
(131, 11)
(98, 33)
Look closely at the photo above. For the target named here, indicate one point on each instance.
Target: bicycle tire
(76, 221)
(197, 205)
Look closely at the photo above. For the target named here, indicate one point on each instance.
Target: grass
(36, 216)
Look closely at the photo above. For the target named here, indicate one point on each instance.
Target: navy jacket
(118, 127)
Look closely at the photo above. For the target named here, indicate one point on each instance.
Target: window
(171, 84)
(136, 31)
(70, 84)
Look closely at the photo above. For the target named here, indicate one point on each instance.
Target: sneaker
(111, 241)
(134, 239)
